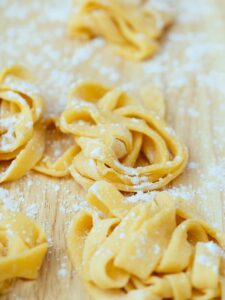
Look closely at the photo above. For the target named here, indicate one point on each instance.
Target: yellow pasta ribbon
(21, 133)
(133, 30)
(22, 248)
(150, 250)
(59, 167)
(122, 140)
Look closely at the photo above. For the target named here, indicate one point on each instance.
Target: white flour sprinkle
(56, 188)
(32, 210)
(8, 201)
(63, 269)
(141, 196)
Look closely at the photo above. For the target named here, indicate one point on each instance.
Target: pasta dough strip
(60, 167)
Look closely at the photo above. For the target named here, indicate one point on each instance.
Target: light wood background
(190, 69)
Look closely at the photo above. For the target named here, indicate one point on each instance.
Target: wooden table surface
(190, 69)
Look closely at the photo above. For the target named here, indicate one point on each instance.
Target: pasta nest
(121, 140)
(21, 132)
(150, 250)
(133, 30)
(22, 248)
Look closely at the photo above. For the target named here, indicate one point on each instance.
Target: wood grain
(195, 109)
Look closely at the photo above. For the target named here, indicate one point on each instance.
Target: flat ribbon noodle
(151, 250)
(60, 167)
(133, 30)
(121, 140)
(21, 132)
(22, 248)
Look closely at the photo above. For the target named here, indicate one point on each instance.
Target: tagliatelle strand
(151, 250)
(22, 135)
(60, 167)
(121, 140)
(133, 30)
(22, 248)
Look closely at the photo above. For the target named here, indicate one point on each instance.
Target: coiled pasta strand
(22, 134)
(150, 250)
(133, 30)
(121, 141)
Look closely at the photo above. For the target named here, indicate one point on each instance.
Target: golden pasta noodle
(21, 132)
(134, 30)
(60, 166)
(22, 248)
(151, 250)
(122, 140)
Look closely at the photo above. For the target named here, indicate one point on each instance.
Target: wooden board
(190, 69)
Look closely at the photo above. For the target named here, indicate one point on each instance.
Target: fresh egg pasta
(22, 248)
(133, 30)
(21, 132)
(121, 140)
(150, 250)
